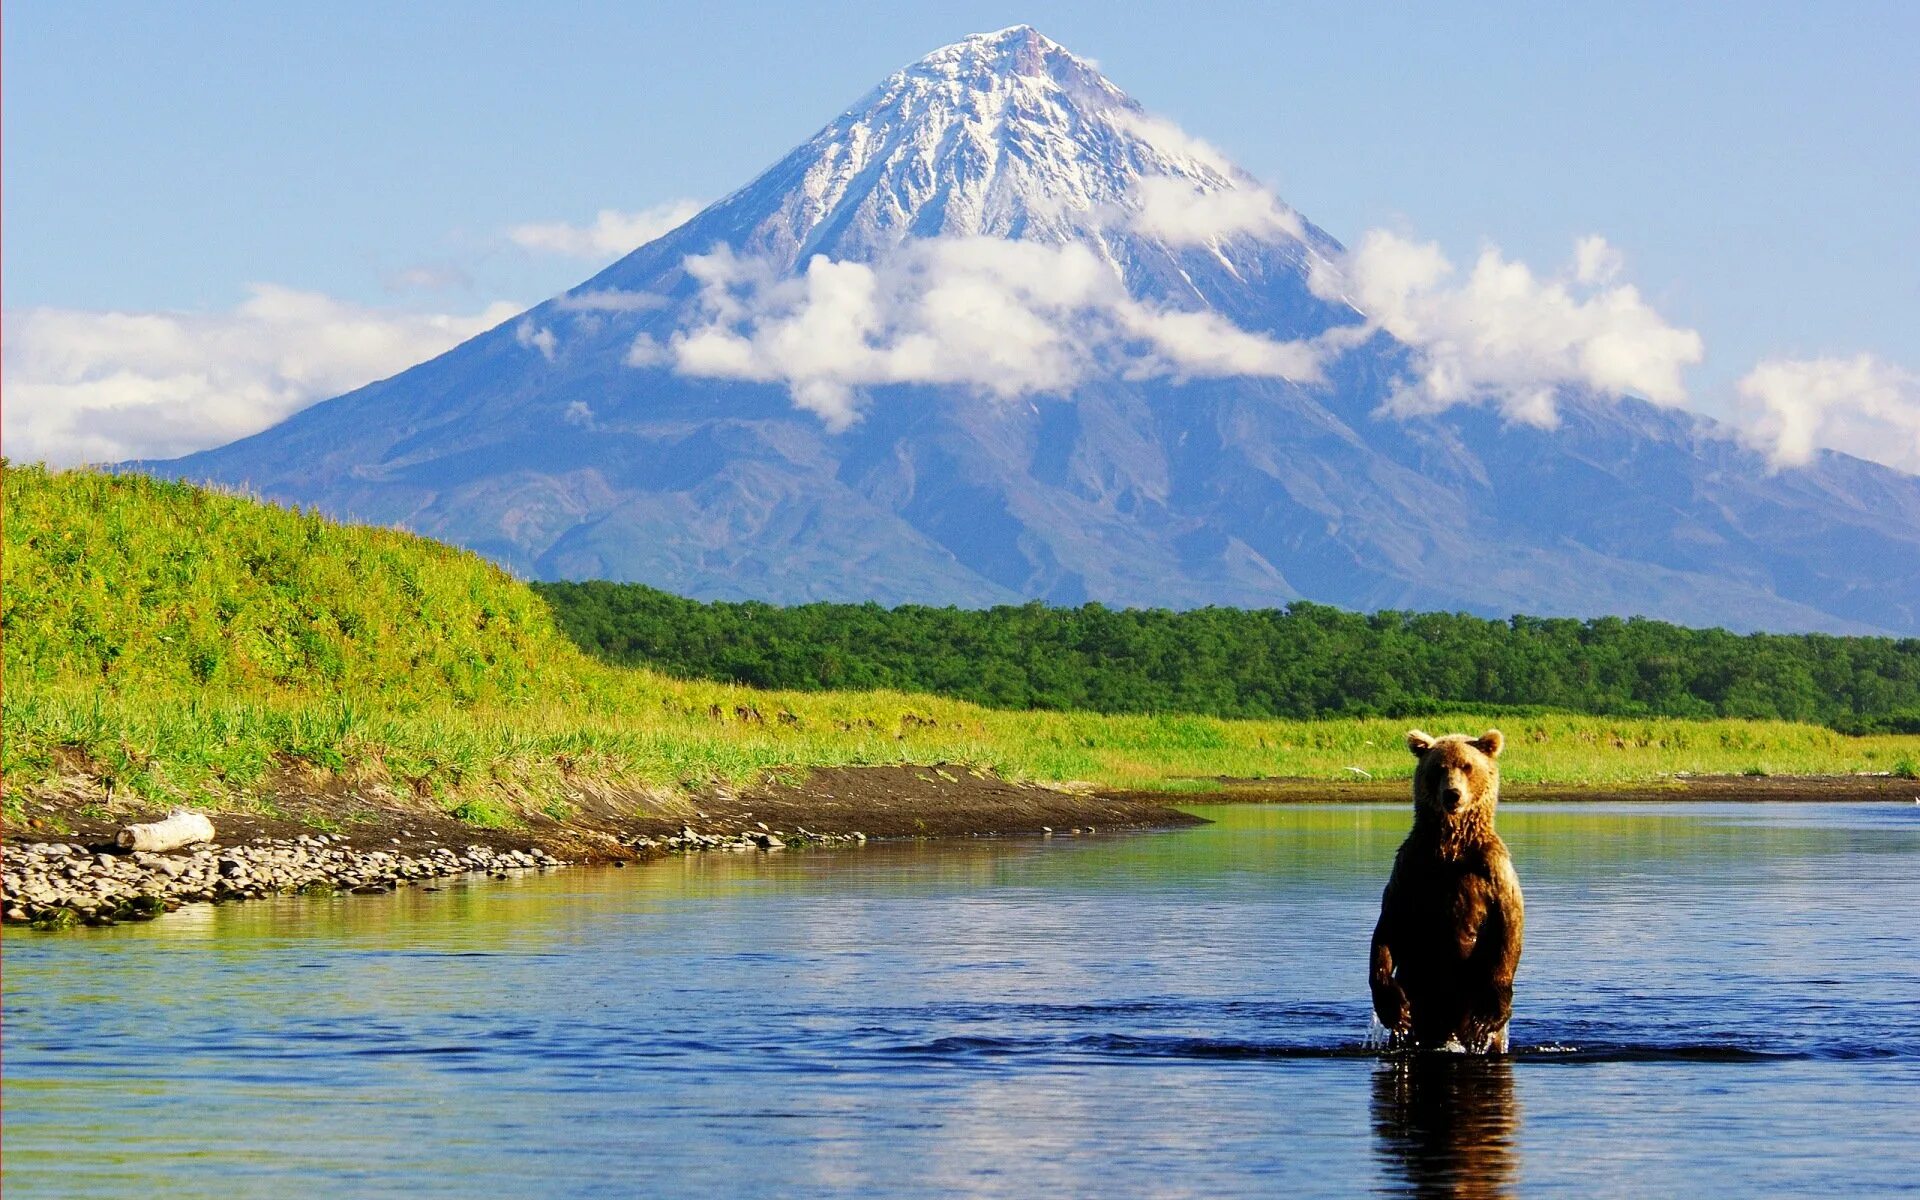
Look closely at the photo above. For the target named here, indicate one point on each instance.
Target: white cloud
(1190, 194)
(1182, 213)
(533, 337)
(1171, 140)
(611, 234)
(1595, 261)
(103, 386)
(645, 352)
(1207, 344)
(579, 413)
(1009, 318)
(1506, 336)
(1863, 405)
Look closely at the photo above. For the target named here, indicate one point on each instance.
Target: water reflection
(1445, 1125)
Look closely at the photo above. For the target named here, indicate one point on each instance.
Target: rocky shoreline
(62, 868)
(60, 885)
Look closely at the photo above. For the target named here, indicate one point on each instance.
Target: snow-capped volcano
(996, 333)
(1000, 135)
(1008, 135)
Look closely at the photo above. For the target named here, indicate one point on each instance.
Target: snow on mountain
(1000, 135)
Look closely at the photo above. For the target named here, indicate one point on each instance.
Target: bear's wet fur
(1451, 919)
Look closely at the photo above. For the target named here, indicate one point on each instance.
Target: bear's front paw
(1390, 1006)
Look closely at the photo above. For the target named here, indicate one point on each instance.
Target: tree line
(1305, 660)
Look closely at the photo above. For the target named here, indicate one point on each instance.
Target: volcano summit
(997, 333)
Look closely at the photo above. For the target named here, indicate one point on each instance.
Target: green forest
(1306, 660)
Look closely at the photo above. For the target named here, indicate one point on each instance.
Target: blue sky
(1757, 164)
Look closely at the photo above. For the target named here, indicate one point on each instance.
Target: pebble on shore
(57, 885)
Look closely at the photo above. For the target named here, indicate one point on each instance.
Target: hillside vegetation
(163, 642)
(1307, 660)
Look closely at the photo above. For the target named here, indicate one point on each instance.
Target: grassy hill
(138, 584)
(164, 642)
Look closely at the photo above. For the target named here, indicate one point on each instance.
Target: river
(1715, 1000)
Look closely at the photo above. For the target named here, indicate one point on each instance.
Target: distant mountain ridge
(587, 439)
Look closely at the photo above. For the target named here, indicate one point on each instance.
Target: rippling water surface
(1717, 1000)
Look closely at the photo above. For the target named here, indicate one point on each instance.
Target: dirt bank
(879, 802)
(62, 870)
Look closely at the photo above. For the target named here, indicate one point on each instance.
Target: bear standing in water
(1448, 939)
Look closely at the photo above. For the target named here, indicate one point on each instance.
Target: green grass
(167, 643)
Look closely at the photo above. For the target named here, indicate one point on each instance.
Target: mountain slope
(740, 409)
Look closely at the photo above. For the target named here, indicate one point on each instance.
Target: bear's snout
(1452, 796)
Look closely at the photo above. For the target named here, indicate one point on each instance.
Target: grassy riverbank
(163, 643)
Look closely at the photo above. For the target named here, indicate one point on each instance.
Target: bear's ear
(1490, 743)
(1419, 742)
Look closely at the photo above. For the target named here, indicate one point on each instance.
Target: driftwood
(179, 829)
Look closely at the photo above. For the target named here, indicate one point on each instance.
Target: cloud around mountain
(1181, 214)
(1008, 318)
(1506, 336)
(1016, 318)
(1863, 405)
(1028, 284)
(610, 234)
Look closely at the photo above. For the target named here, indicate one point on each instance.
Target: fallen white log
(179, 829)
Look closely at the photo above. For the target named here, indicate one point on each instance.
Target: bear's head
(1458, 779)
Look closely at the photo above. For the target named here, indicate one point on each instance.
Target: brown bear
(1448, 938)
